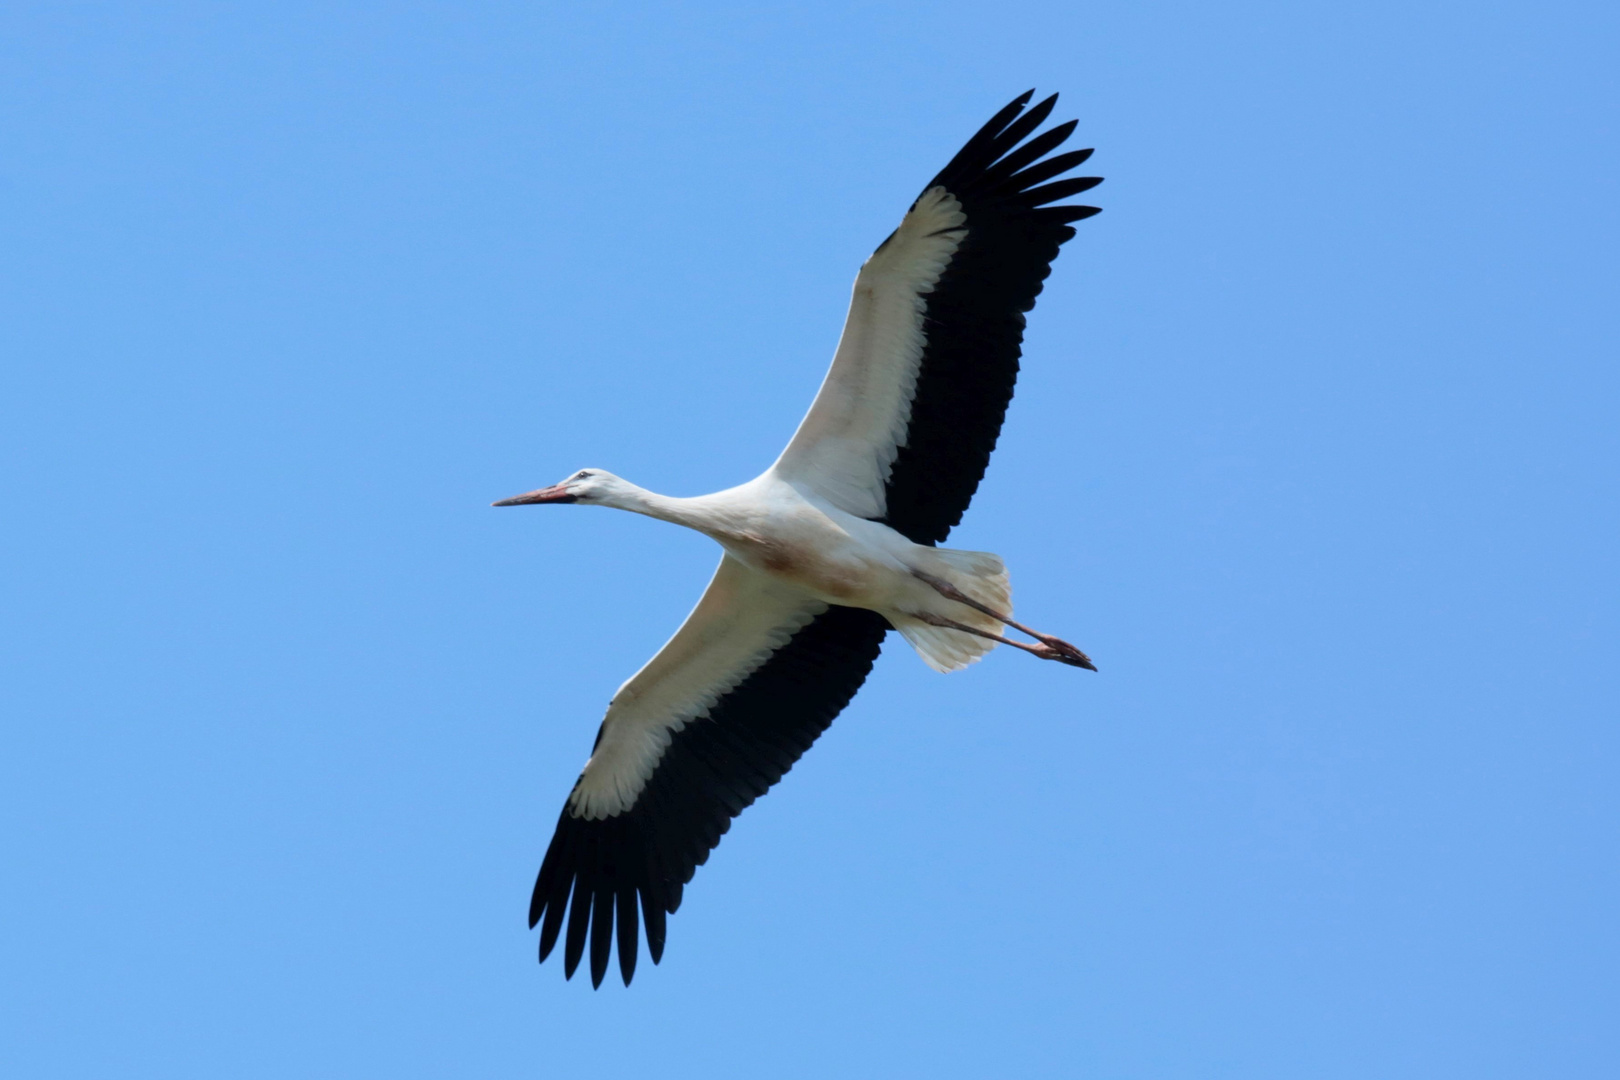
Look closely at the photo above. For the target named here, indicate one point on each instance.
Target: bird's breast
(822, 561)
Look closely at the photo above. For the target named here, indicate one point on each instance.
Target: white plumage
(829, 548)
(847, 441)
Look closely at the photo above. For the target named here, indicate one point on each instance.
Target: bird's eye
(582, 476)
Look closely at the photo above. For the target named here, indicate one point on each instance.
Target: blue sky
(1314, 453)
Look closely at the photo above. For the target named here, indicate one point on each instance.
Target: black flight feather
(974, 317)
(711, 771)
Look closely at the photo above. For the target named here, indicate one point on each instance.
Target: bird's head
(596, 486)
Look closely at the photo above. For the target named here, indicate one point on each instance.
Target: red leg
(1054, 644)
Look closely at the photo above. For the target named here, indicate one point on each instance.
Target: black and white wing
(905, 421)
(753, 676)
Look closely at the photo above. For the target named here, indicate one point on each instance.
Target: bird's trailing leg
(1044, 651)
(1051, 648)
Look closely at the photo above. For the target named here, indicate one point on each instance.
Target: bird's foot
(1052, 648)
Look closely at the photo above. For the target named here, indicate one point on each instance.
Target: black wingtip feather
(1060, 189)
(551, 890)
(1071, 213)
(579, 921)
(601, 934)
(627, 933)
(548, 932)
(653, 915)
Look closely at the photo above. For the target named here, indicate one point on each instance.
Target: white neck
(688, 512)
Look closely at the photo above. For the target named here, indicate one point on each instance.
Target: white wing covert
(741, 619)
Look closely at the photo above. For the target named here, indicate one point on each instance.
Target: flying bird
(826, 551)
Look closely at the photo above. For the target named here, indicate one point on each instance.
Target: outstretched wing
(905, 421)
(753, 676)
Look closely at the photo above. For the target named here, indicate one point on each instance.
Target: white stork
(825, 551)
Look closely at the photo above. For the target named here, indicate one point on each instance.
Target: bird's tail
(980, 575)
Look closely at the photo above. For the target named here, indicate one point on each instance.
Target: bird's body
(824, 552)
(791, 534)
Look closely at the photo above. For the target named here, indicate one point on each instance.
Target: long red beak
(556, 493)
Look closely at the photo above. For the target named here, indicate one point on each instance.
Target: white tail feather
(982, 576)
